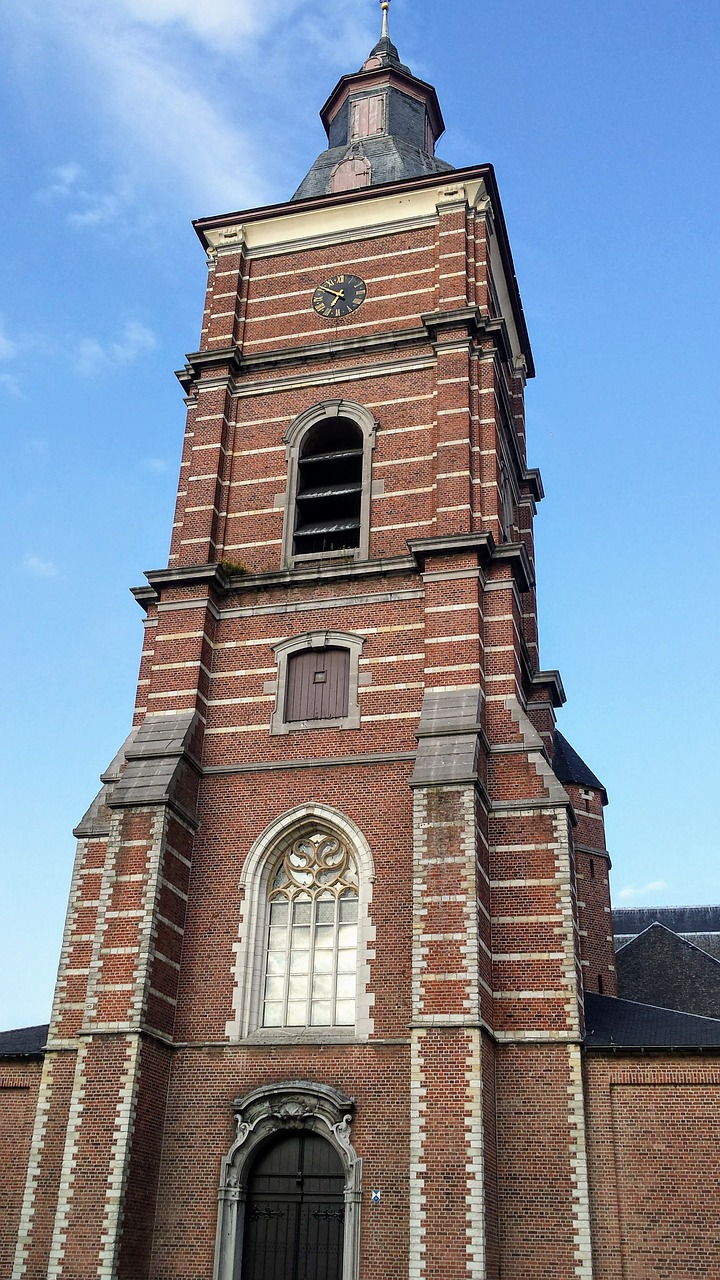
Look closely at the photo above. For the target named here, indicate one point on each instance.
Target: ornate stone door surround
(293, 1104)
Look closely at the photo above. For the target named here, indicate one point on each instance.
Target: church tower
(320, 1004)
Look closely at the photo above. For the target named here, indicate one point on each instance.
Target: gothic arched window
(311, 961)
(303, 952)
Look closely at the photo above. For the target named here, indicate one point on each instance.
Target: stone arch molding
(255, 880)
(293, 439)
(293, 1104)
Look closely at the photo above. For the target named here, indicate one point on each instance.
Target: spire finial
(385, 6)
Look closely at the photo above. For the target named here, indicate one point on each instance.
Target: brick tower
(320, 1002)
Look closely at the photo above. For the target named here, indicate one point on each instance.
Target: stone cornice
(222, 580)
(230, 362)
(551, 680)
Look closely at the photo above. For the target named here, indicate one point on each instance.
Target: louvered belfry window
(318, 685)
(329, 488)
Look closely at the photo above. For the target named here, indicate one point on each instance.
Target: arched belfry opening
(290, 1187)
(329, 487)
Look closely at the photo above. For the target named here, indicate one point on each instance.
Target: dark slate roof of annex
(623, 1024)
(23, 1042)
(661, 967)
(682, 920)
(568, 766)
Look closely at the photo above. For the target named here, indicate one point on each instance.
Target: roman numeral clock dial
(339, 296)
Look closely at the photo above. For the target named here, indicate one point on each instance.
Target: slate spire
(382, 125)
(385, 53)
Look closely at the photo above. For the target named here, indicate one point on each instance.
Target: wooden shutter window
(350, 175)
(318, 685)
(368, 117)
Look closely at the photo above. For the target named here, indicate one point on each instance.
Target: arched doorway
(290, 1187)
(295, 1210)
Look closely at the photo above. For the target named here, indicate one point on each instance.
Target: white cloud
(93, 356)
(88, 207)
(8, 347)
(631, 891)
(64, 180)
(220, 23)
(158, 465)
(11, 384)
(153, 73)
(39, 567)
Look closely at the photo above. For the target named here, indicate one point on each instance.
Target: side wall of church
(653, 1138)
(19, 1089)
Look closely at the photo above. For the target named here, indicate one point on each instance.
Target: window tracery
(311, 964)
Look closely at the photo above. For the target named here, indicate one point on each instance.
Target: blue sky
(125, 120)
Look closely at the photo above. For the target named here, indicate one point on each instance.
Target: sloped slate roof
(391, 160)
(660, 967)
(569, 767)
(683, 920)
(24, 1042)
(623, 1024)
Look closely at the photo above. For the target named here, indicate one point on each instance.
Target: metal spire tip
(385, 6)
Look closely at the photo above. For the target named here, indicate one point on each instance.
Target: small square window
(317, 685)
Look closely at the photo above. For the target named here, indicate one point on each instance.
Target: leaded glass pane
(345, 986)
(322, 1014)
(297, 988)
(322, 986)
(347, 935)
(324, 962)
(312, 938)
(348, 908)
(345, 1013)
(274, 988)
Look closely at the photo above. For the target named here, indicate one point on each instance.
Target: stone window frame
(251, 946)
(317, 640)
(272, 1109)
(292, 440)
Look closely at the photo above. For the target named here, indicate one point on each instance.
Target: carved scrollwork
(292, 1115)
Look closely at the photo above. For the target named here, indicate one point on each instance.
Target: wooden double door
(295, 1211)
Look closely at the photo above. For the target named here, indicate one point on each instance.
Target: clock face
(339, 296)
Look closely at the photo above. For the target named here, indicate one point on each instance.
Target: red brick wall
(653, 1141)
(592, 865)
(538, 1195)
(489, 942)
(200, 1131)
(19, 1085)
